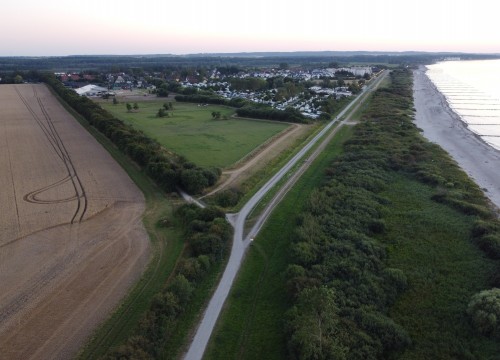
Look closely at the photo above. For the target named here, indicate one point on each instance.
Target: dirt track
(71, 235)
(260, 158)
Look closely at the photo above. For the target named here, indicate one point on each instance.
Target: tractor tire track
(57, 144)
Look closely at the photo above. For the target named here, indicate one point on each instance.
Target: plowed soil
(71, 236)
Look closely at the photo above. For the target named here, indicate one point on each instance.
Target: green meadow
(192, 132)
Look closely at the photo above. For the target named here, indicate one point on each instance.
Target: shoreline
(441, 125)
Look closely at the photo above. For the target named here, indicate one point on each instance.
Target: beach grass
(191, 131)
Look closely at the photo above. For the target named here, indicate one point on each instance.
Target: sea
(472, 90)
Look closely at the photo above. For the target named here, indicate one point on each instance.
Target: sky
(58, 27)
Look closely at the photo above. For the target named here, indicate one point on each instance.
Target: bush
(484, 310)
(228, 198)
(490, 244)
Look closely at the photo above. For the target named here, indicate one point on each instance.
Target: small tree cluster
(162, 113)
(130, 107)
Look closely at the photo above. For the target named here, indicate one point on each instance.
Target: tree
(129, 107)
(290, 90)
(136, 106)
(314, 324)
(193, 181)
(162, 91)
(216, 114)
(182, 288)
(484, 310)
(326, 83)
(162, 113)
(354, 87)
(18, 79)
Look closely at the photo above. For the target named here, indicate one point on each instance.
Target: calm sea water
(472, 89)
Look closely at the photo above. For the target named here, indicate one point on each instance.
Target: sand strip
(445, 128)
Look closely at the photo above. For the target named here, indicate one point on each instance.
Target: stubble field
(71, 235)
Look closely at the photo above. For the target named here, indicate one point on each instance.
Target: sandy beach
(443, 127)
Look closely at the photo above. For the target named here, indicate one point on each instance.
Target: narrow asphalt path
(240, 244)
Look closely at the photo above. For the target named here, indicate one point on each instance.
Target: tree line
(227, 63)
(244, 108)
(167, 169)
(268, 113)
(207, 235)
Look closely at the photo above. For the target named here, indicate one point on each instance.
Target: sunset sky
(57, 27)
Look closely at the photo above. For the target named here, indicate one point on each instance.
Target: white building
(91, 90)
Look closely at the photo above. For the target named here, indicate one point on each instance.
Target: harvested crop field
(71, 235)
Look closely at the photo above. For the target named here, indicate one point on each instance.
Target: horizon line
(233, 53)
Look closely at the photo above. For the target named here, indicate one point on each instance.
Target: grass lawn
(251, 325)
(192, 132)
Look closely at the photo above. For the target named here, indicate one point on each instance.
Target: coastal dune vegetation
(388, 249)
(381, 234)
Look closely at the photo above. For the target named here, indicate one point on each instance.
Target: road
(241, 243)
